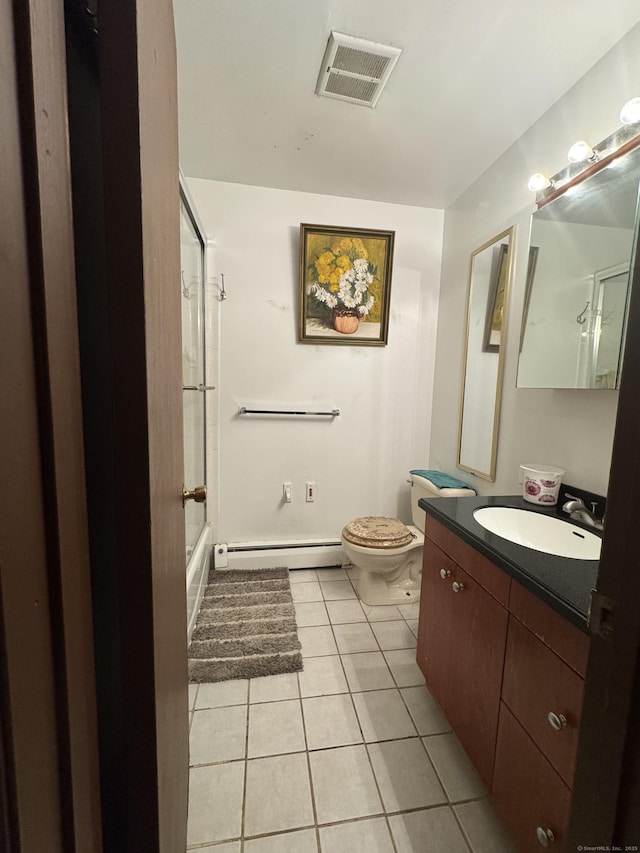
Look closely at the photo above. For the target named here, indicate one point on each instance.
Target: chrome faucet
(577, 510)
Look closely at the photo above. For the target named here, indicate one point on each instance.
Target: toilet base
(373, 589)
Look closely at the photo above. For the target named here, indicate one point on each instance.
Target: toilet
(389, 552)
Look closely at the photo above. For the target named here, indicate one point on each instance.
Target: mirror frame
(508, 260)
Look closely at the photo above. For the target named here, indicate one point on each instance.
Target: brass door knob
(199, 495)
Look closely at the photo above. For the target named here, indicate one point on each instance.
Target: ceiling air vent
(355, 70)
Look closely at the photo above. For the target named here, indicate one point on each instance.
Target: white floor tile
(357, 637)
(367, 671)
(222, 693)
(403, 666)
(394, 635)
(302, 575)
(343, 784)
(311, 613)
(485, 832)
(278, 794)
(271, 688)
(381, 612)
(413, 626)
(383, 716)
(435, 830)
(336, 590)
(425, 711)
(229, 847)
(322, 676)
(317, 641)
(306, 592)
(345, 611)
(215, 803)
(330, 721)
(460, 780)
(335, 574)
(218, 734)
(300, 841)
(405, 775)
(362, 836)
(275, 728)
(410, 611)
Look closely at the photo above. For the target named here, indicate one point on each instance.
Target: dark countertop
(564, 584)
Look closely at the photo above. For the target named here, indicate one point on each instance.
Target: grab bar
(242, 410)
(200, 387)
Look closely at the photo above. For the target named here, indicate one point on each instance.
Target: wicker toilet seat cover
(374, 531)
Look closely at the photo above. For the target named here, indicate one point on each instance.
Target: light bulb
(630, 113)
(581, 151)
(538, 182)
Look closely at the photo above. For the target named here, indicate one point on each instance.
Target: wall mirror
(483, 361)
(575, 312)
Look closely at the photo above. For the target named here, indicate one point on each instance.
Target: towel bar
(243, 410)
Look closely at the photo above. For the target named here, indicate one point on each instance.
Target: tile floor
(352, 755)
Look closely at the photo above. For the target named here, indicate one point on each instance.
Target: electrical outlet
(311, 492)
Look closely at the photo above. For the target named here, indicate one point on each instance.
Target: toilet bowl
(388, 553)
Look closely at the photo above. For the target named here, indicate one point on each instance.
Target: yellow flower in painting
(345, 244)
(344, 262)
(326, 258)
(322, 278)
(334, 288)
(358, 245)
(334, 278)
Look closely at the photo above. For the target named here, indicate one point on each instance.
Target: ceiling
(471, 79)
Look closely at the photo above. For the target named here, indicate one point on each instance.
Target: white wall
(573, 429)
(359, 461)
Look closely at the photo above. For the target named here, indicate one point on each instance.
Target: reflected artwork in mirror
(483, 359)
(574, 321)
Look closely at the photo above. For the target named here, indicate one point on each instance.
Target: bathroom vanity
(503, 645)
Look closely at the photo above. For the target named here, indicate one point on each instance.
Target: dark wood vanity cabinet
(508, 673)
(461, 642)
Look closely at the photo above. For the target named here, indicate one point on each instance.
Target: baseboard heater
(292, 555)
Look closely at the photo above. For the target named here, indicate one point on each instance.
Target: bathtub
(197, 572)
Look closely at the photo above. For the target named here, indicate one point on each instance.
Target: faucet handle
(575, 498)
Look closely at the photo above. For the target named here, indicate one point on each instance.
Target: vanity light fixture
(630, 112)
(581, 151)
(538, 182)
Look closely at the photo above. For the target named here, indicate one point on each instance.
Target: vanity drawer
(536, 684)
(482, 570)
(567, 641)
(529, 795)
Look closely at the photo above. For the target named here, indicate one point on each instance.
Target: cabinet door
(537, 683)
(435, 628)
(529, 795)
(479, 627)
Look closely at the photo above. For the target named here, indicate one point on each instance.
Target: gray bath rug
(246, 627)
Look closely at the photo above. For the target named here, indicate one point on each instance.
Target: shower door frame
(196, 565)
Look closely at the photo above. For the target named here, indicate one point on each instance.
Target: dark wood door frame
(53, 795)
(123, 124)
(47, 695)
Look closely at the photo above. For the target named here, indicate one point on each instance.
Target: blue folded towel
(442, 481)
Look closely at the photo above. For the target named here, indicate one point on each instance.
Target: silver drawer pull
(445, 573)
(457, 587)
(545, 836)
(557, 721)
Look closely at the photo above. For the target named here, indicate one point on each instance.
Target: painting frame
(495, 302)
(345, 285)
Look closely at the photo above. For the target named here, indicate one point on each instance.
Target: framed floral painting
(345, 285)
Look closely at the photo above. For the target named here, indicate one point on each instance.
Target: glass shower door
(193, 372)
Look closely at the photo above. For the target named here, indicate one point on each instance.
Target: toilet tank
(421, 487)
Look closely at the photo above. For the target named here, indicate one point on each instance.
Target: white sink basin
(545, 533)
